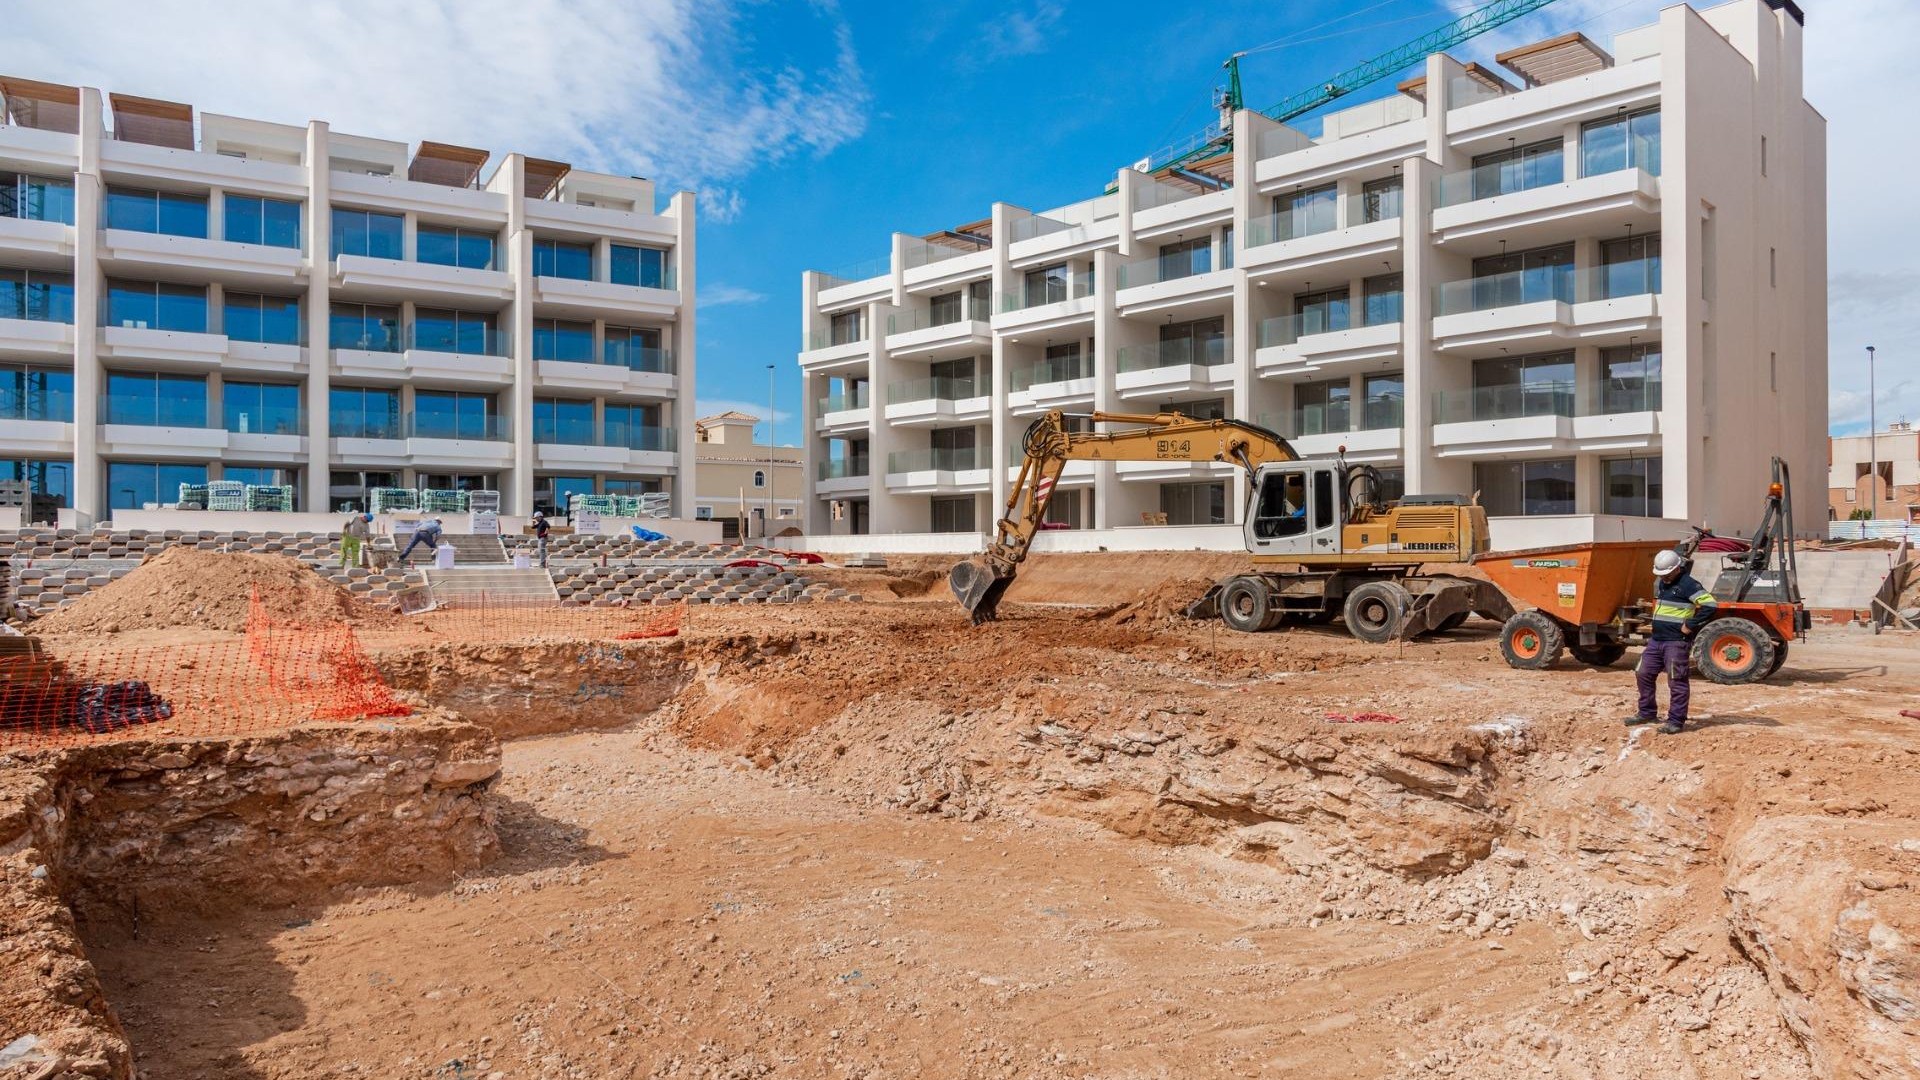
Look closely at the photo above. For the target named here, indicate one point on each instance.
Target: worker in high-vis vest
(1680, 608)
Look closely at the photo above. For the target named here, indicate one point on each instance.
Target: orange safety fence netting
(277, 675)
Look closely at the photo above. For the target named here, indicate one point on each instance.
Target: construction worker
(1680, 608)
(353, 540)
(427, 534)
(540, 529)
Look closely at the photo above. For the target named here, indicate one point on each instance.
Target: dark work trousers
(1671, 657)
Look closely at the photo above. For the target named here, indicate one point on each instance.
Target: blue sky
(813, 129)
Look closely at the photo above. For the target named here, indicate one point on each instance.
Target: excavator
(1323, 542)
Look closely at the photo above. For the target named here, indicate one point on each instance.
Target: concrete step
(499, 583)
(472, 550)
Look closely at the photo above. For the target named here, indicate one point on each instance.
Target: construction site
(258, 823)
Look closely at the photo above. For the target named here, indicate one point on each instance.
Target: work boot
(1673, 727)
(1636, 721)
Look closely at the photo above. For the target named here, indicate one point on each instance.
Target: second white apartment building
(1591, 290)
(190, 298)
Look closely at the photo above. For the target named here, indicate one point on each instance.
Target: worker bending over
(1680, 608)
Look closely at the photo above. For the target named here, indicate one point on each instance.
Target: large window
(274, 320)
(1632, 379)
(164, 212)
(1385, 404)
(1186, 259)
(953, 514)
(563, 259)
(347, 490)
(441, 245)
(554, 494)
(446, 414)
(133, 484)
(636, 347)
(1520, 168)
(369, 327)
(437, 330)
(559, 339)
(1630, 266)
(1306, 213)
(1380, 200)
(1523, 277)
(36, 198)
(846, 328)
(643, 266)
(1321, 408)
(1525, 488)
(1194, 504)
(1323, 312)
(157, 305)
(1202, 341)
(1048, 285)
(1632, 486)
(42, 477)
(250, 219)
(1625, 141)
(36, 393)
(36, 295)
(944, 309)
(562, 421)
(155, 400)
(1381, 300)
(365, 232)
(1509, 387)
(636, 427)
(355, 412)
(262, 408)
(263, 475)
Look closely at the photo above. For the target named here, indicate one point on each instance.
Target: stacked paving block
(640, 584)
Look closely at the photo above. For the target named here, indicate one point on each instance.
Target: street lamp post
(766, 524)
(1873, 446)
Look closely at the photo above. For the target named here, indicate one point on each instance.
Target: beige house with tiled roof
(742, 483)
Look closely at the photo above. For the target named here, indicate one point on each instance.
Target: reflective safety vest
(1680, 603)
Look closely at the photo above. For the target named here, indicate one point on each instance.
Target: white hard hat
(1666, 562)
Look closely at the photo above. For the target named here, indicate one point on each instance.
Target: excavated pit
(874, 842)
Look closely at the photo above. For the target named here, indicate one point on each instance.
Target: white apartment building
(1591, 289)
(187, 298)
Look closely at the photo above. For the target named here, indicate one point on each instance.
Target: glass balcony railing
(832, 339)
(1612, 397)
(1027, 228)
(939, 388)
(843, 468)
(581, 432)
(1503, 402)
(1162, 354)
(640, 437)
(842, 402)
(1292, 224)
(466, 340)
(1336, 417)
(484, 428)
(1635, 277)
(565, 432)
(1504, 178)
(1166, 268)
(365, 337)
(925, 318)
(1149, 193)
(636, 357)
(941, 459)
(54, 406)
(1053, 292)
(1050, 371)
(24, 297)
(155, 410)
(860, 271)
(917, 252)
(365, 427)
(1379, 310)
(269, 422)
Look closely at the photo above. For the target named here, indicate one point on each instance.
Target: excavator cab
(1296, 509)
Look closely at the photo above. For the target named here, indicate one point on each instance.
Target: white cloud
(647, 87)
(1020, 33)
(720, 295)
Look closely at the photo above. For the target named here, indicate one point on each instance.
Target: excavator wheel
(1375, 610)
(1246, 605)
(1531, 641)
(1733, 650)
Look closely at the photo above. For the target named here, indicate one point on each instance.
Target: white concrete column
(1124, 183)
(1423, 378)
(682, 209)
(89, 487)
(889, 512)
(1241, 406)
(318, 239)
(517, 499)
(1106, 358)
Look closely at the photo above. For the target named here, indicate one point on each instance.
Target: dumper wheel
(1779, 657)
(1375, 610)
(1733, 650)
(1531, 641)
(1598, 654)
(1246, 605)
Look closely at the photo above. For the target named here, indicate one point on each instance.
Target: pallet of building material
(274, 497)
(443, 501)
(226, 495)
(14, 493)
(483, 502)
(608, 505)
(383, 500)
(193, 496)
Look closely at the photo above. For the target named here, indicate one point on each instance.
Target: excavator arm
(978, 583)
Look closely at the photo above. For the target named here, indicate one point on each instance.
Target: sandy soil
(870, 842)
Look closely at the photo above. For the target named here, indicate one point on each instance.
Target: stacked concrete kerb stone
(579, 547)
(379, 586)
(52, 567)
(640, 585)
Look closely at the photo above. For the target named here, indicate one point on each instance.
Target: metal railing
(1161, 354)
(939, 388)
(1635, 277)
(942, 459)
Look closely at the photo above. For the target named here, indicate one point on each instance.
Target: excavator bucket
(978, 585)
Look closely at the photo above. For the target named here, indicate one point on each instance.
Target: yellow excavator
(1323, 541)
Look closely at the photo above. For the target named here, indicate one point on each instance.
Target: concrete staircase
(471, 550)
(493, 582)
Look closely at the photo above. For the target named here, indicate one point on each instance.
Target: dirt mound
(204, 589)
(1159, 603)
(887, 584)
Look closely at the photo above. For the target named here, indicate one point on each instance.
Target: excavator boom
(980, 582)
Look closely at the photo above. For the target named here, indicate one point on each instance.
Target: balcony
(1372, 434)
(33, 426)
(1528, 310)
(130, 253)
(438, 355)
(619, 447)
(1149, 285)
(267, 357)
(862, 282)
(842, 476)
(1525, 210)
(33, 339)
(150, 427)
(172, 350)
(1322, 342)
(373, 354)
(1038, 238)
(1157, 369)
(928, 333)
(1173, 472)
(844, 412)
(1160, 209)
(1052, 306)
(1547, 417)
(925, 264)
(458, 442)
(923, 402)
(937, 471)
(605, 299)
(27, 242)
(197, 169)
(1311, 239)
(365, 276)
(1051, 384)
(620, 368)
(829, 351)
